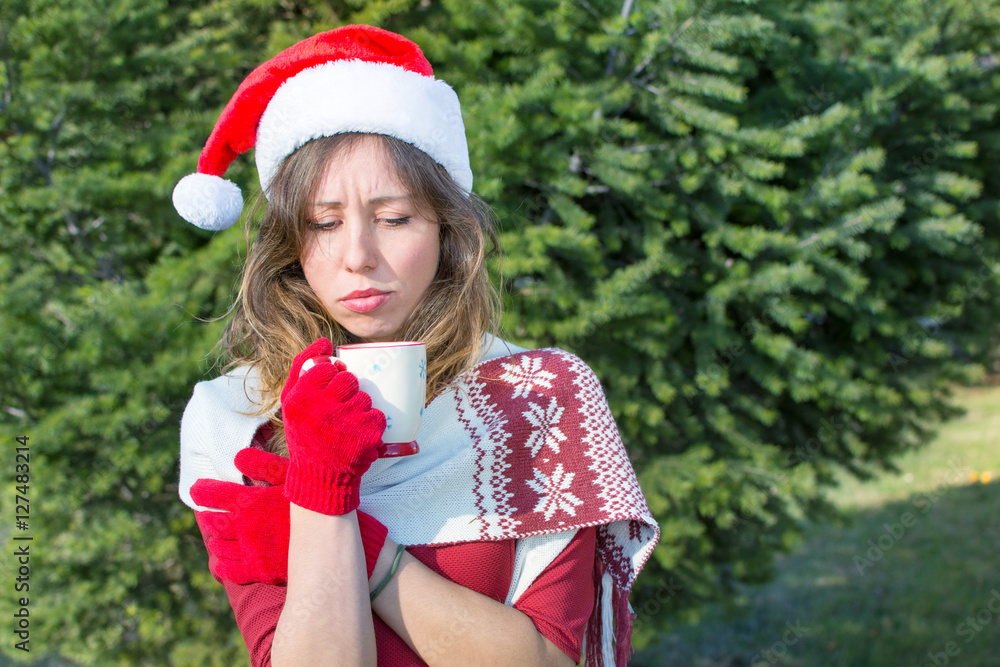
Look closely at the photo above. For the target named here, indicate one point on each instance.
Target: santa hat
(353, 79)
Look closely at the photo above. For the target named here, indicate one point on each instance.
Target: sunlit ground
(913, 580)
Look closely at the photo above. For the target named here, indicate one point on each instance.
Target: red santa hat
(352, 79)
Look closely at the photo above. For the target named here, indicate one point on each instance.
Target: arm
(257, 608)
(332, 434)
(248, 545)
(559, 601)
(326, 618)
(445, 623)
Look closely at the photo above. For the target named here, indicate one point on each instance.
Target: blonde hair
(276, 313)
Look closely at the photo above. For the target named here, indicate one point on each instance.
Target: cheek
(307, 262)
(312, 262)
(428, 259)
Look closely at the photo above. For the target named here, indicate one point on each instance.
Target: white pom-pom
(207, 201)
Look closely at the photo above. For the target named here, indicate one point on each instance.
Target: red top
(559, 602)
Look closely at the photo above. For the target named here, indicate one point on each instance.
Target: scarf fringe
(609, 629)
(623, 626)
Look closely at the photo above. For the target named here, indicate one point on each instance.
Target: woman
(515, 534)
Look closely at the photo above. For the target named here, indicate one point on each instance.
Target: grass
(909, 581)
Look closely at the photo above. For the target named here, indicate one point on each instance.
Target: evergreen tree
(103, 103)
(770, 227)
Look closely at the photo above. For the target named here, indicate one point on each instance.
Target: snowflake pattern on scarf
(549, 457)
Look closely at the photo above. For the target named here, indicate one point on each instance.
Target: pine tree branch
(8, 96)
(708, 5)
(613, 56)
(57, 122)
(590, 8)
(645, 148)
(942, 29)
(334, 14)
(8, 69)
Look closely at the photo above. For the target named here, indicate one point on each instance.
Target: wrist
(318, 488)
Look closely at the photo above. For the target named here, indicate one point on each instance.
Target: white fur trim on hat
(357, 96)
(207, 201)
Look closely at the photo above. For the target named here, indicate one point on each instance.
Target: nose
(360, 247)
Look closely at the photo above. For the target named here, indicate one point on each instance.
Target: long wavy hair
(276, 314)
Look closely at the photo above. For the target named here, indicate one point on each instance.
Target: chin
(373, 334)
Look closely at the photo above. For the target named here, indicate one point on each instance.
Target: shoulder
(220, 401)
(504, 352)
(218, 421)
(494, 348)
(547, 370)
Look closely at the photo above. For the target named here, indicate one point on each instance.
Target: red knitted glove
(249, 542)
(332, 433)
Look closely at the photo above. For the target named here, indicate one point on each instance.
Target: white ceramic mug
(394, 374)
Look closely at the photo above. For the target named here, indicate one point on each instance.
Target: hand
(332, 432)
(249, 542)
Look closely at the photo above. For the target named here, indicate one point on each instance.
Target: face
(369, 254)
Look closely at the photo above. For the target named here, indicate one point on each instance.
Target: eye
(323, 225)
(396, 222)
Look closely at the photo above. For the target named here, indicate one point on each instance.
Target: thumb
(321, 347)
(216, 494)
(262, 466)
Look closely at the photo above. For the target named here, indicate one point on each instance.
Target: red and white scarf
(523, 446)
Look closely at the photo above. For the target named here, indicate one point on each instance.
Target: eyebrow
(373, 201)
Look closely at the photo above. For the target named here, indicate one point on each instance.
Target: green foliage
(769, 227)
(101, 291)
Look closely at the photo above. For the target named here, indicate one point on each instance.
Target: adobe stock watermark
(932, 153)
(460, 629)
(967, 630)
(318, 600)
(776, 652)
(727, 358)
(893, 532)
(973, 287)
(652, 605)
(813, 446)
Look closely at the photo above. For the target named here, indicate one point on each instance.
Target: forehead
(363, 165)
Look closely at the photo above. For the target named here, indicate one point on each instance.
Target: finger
(322, 347)
(360, 402)
(232, 571)
(343, 386)
(377, 419)
(213, 565)
(316, 379)
(263, 466)
(216, 494)
(309, 363)
(227, 550)
(222, 525)
(204, 524)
